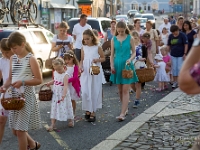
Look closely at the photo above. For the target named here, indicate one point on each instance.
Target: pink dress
(167, 59)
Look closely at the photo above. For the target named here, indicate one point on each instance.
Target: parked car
(142, 22)
(123, 18)
(150, 17)
(39, 39)
(137, 15)
(101, 24)
(131, 13)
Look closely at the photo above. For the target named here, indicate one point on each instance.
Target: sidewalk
(171, 124)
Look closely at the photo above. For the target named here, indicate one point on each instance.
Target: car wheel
(40, 65)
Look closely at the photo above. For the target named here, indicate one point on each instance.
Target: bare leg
(160, 85)
(31, 142)
(22, 139)
(125, 98)
(138, 90)
(3, 120)
(133, 87)
(175, 78)
(120, 91)
(74, 107)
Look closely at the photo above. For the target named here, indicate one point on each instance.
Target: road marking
(58, 139)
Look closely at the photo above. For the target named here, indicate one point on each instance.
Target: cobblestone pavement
(176, 130)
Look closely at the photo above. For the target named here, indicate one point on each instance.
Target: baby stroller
(106, 64)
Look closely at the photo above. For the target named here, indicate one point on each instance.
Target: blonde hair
(64, 24)
(17, 38)
(70, 54)
(3, 45)
(58, 62)
(163, 48)
(134, 33)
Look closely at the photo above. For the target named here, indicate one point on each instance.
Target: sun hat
(158, 57)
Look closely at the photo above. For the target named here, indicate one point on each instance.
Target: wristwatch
(196, 42)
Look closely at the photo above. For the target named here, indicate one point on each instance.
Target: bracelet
(23, 83)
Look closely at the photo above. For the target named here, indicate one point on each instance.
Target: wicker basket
(45, 94)
(13, 103)
(94, 69)
(127, 73)
(145, 74)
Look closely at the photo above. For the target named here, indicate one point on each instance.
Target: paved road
(86, 135)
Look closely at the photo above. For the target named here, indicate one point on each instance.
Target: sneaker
(136, 103)
(175, 85)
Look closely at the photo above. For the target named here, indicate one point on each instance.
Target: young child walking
(161, 75)
(74, 86)
(4, 74)
(61, 105)
(24, 75)
(91, 85)
(167, 60)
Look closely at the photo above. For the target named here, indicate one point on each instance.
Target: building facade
(196, 7)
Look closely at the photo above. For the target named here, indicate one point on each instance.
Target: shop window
(149, 7)
(39, 38)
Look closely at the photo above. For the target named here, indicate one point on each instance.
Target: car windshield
(143, 20)
(137, 16)
(105, 24)
(133, 11)
(121, 17)
(149, 17)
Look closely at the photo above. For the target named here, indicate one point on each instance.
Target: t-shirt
(167, 26)
(4, 68)
(190, 37)
(78, 32)
(65, 48)
(177, 44)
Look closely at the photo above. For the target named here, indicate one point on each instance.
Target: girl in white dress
(161, 75)
(71, 63)
(4, 74)
(91, 85)
(61, 106)
(164, 36)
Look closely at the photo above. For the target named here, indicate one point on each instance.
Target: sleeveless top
(109, 35)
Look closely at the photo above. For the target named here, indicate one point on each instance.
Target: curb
(120, 135)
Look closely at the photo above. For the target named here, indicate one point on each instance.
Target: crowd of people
(164, 49)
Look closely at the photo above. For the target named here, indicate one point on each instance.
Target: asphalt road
(86, 135)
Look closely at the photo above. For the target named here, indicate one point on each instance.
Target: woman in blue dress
(121, 44)
(110, 32)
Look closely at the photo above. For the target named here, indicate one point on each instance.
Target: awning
(68, 6)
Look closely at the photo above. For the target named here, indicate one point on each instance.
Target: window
(28, 36)
(105, 25)
(49, 36)
(149, 17)
(39, 38)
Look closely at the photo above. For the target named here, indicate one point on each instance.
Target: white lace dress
(161, 74)
(91, 85)
(60, 110)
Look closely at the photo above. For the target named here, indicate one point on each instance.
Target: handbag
(48, 62)
(94, 69)
(127, 73)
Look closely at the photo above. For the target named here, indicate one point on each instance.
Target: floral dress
(60, 110)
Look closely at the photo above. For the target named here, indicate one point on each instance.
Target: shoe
(37, 146)
(131, 91)
(120, 118)
(175, 85)
(87, 116)
(92, 119)
(136, 103)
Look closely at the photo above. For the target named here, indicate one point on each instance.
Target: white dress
(60, 110)
(91, 85)
(161, 74)
(164, 38)
(73, 94)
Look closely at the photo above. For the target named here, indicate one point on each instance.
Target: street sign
(86, 9)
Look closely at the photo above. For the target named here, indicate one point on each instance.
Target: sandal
(120, 118)
(50, 129)
(71, 124)
(87, 116)
(37, 146)
(92, 119)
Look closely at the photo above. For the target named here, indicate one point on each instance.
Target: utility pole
(111, 8)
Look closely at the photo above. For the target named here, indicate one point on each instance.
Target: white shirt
(65, 48)
(78, 32)
(4, 68)
(167, 26)
(164, 38)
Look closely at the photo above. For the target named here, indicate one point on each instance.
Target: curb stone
(117, 137)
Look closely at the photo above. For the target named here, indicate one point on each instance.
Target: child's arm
(102, 57)
(75, 75)
(156, 66)
(65, 87)
(50, 83)
(81, 62)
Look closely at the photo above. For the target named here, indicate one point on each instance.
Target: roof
(92, 18)
(148, 14)
(140, 18)
(55, 5)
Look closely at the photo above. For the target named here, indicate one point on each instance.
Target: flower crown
(69, 54)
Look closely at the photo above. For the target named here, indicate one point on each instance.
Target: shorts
(176, 65)
(78, 54)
